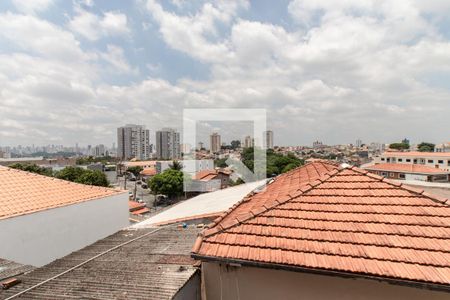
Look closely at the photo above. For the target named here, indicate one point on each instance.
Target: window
(448, 162)
(402, 176)
(408, 160)
(383, 174)
(391, 174)
(430, 161)
(415, 161)
(440, 161)
(382, 159)
(400, 159)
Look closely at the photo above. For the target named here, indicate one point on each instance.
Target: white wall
(44, 236)
(416, 177)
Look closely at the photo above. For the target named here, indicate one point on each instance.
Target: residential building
(439, 160)
(410, 172)
(444, 147)
(268, 139)
(249, 142)
(189, 166)
(138, 263)
(99, 150)
(325, 231)
(133, 141)
(44, 218)
(317, 144)
(358, 143)
(214, 142)
(168, 144)
(211, 180)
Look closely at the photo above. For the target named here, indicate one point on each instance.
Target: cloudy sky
(73, 71)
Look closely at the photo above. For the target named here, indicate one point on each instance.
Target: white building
(444, 147)
(189, 166)
(431, 159)
(249, 142)
(168, 144)
(99, 150)
(214, 142)
(133, 141)
(43, 218)
(268, 139)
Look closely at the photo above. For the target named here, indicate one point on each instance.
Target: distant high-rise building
(317, 144)
(358, 143)
(133, 141)
(200, 145)
(99, 150)
(249, 142)
(168, 144)
(214, 142)
(268, 139)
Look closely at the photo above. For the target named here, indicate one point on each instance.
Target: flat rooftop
(148, 263)
(203, 205)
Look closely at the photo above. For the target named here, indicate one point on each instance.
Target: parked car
(139, 182)
(144, 186)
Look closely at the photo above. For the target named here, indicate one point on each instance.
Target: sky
(335, 71)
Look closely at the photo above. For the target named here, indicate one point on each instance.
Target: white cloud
(116, 58)
(32, 6)
(93, 27)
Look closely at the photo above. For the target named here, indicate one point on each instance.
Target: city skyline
(143, 63)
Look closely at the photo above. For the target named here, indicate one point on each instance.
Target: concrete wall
(225, 282)
(191, 290)
(39, 238)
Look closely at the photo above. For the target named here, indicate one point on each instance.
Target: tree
(169, 182)
(399, 146)
(425, 147)
(70, 173)
(135, 170)
(221, 163)
(80, 175)
(91, 177)
(235, 144)
(176, 165)
(33, 168)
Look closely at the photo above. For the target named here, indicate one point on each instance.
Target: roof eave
(343, 274)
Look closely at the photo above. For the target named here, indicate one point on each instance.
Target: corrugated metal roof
(146, 268)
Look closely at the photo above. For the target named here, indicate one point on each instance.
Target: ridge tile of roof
(24, 192)
(346, 220)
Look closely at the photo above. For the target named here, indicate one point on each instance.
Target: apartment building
(133, 141)
(439, 160)
(168, 144)
(268, 139)
(214, 142)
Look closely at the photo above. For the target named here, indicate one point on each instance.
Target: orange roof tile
(23, 192)
(204, 173)
(407, 168)
(140, 211)
(148, 172)
(337, 219)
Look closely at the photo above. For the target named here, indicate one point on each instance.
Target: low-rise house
(410, 172)
(327, 232)
(148, 173)
(44, 218)
(211, 180)
(137, 208)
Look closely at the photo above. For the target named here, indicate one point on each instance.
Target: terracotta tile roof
(23, 192)
(148, 172)
(407, 168)
(345, 220)
(205, 173)
(140, 163)
(417, 154)
(140, 211)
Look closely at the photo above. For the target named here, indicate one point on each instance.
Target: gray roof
(11, 269)
(148, 263)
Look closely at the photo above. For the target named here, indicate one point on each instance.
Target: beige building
(439, 160)
(214, 142)
(324, 231)
(249, 142)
